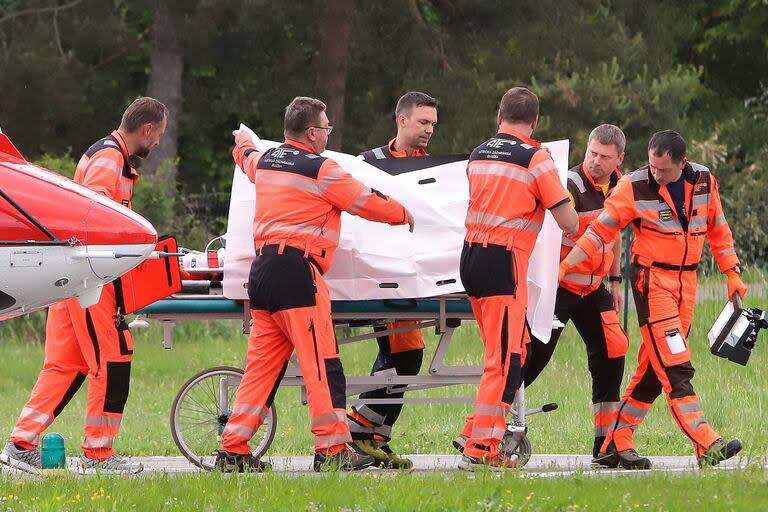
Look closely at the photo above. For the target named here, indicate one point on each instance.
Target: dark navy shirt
(677, 193)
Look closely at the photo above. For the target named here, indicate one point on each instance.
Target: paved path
(540, 466)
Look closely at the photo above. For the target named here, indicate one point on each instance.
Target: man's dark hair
(412, 99)
(300, 114)
(143, 111)
(668, 141)
(519, 105)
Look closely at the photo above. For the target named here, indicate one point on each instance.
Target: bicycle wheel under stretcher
(201, 410)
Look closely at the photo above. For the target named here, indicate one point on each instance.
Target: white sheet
(371, 253)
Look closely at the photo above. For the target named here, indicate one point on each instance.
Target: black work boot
(627, 459)
(345, 460)
(719, 451)
(228, 462)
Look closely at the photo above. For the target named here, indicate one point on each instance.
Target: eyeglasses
(329, 128)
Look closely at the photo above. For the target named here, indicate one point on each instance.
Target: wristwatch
(616, 279)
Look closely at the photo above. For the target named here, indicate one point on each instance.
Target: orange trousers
(81, 343)
(291, 310)
(665, 300)
(495, 280)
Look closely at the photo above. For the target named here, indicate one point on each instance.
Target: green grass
(710, 490)
(733, 397)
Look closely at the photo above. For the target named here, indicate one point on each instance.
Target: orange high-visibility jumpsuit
(511, 182)
(581, 297)
(93, 342)
(665, 256)
(300, 197)
(402, 351)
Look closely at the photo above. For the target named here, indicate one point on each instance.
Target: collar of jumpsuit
(300, 145)
(402, 154)
(124, 150)
(516, 134)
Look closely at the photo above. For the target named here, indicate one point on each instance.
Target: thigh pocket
(670, 343)
(616, 341)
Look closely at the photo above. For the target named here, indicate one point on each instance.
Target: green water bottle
(53, 453)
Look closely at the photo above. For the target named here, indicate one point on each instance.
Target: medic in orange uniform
(673, 205)
(512, 181)
(300, 197)
(93, 342)
(581, 295)
(371, 425)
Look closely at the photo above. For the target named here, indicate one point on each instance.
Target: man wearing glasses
(297, 221)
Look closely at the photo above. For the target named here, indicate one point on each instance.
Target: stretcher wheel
(517, 443)
(201, 410)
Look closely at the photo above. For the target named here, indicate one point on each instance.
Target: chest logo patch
(665, 215)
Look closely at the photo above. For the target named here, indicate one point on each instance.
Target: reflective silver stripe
(488, 433)
(36, 416)
(601, 431)
(728, 252)
(265, 230)
(505, 171)
(332, 440)
(623, 424)
(25, 435)
(250, 410)
(502, 222)
(697, 423)
(701, 200)
(237, 429)
(360, 201)
(489, 410)
(576, 179)
(358, 428)
(697, 223)
(97, 442)
(590, 213)
(568, 242)
(126, 185)
(698, 167)
(639, 175)
(689, 407)
(285, 179)
(103, 421)
(720, 220)
(369, 414)
(605, 407)
(384, 431)
(105, 163)
(329, 418)
(651, 204)
(379, 154)
(542, 168)
(330, 175)
(578, 278)
(605, 218)
(633, 410)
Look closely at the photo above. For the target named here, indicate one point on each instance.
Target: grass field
(734, 399)
(711, 491)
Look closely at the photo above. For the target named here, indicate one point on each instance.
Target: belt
(274, 249)
(667, 266)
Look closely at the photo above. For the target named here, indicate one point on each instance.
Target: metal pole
(627, 239)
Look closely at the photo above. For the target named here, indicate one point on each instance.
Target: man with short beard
(91, 342)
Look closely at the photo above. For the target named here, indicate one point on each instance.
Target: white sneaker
(115, 465)
(28, 461)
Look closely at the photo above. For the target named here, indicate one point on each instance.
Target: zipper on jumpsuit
(312, 320)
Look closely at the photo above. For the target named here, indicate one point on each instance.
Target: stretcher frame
(444, 313)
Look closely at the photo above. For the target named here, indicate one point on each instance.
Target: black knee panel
(118, 385)
(337, 383)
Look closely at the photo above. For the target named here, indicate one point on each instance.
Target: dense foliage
(69, 67)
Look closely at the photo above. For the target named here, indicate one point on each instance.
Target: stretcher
(203, 405)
